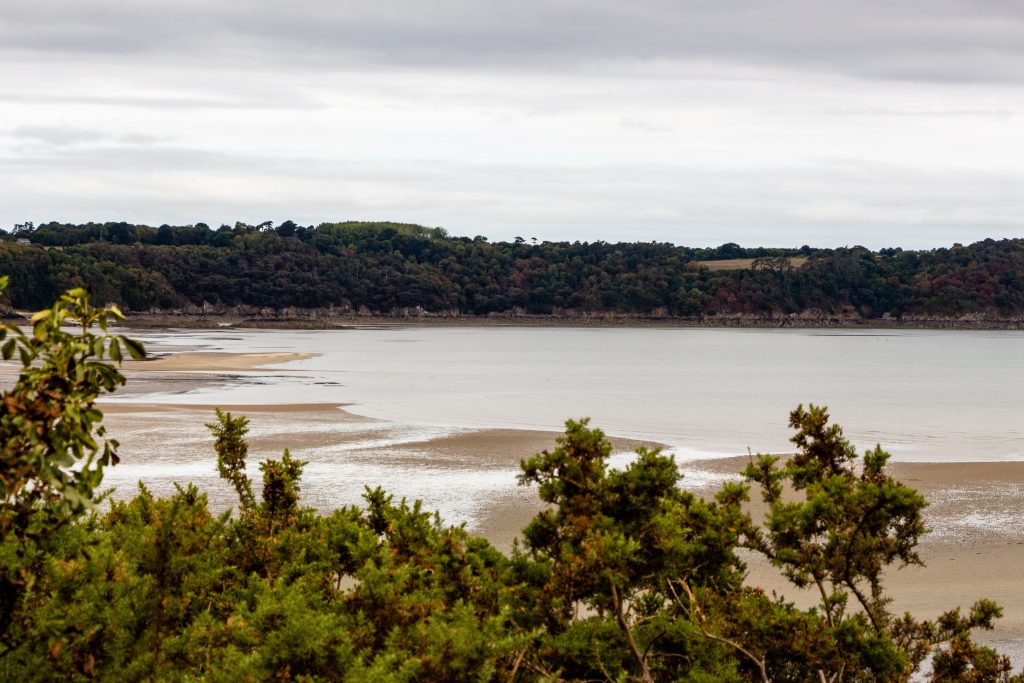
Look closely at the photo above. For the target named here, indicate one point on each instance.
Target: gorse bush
(625, 576)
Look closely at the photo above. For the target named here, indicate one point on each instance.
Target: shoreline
(171, 367)
(976, 509)
(982, 489)
(213, 361)
(320, 320)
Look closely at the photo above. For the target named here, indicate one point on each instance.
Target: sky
(697, 122)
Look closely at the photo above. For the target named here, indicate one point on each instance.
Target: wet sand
(212, 361)
(167, 443)
(976, 548)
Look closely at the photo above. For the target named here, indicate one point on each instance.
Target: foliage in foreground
(624, 576)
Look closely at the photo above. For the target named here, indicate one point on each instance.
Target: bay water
(923, 395)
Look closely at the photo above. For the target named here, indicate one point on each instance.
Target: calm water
(924, 395)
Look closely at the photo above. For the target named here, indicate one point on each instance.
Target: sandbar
(976, 548)
(189, 361)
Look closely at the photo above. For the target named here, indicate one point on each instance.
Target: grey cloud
(68, 136)
(958, 112)
(234, 101)
(128, 159)
(56, 135)
(955, 40)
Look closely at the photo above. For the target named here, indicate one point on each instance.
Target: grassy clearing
(743, 263)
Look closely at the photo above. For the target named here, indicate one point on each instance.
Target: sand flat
(976, 548)
(189, 361)
(976, 512)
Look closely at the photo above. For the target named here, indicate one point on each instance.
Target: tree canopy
(388, 267)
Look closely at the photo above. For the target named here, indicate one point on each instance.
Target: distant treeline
(386, 267)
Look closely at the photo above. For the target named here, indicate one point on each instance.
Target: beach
(975, 548)
(213, 361)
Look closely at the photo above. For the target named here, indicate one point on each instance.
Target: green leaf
(135, 348)
(115, 351)
(8, 349)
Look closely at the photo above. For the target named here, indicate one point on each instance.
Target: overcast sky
(698, 122)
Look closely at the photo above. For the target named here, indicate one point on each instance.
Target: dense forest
(388, 268)
(623, 577)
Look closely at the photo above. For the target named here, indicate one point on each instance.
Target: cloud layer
(973, 40)
(697, 122)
